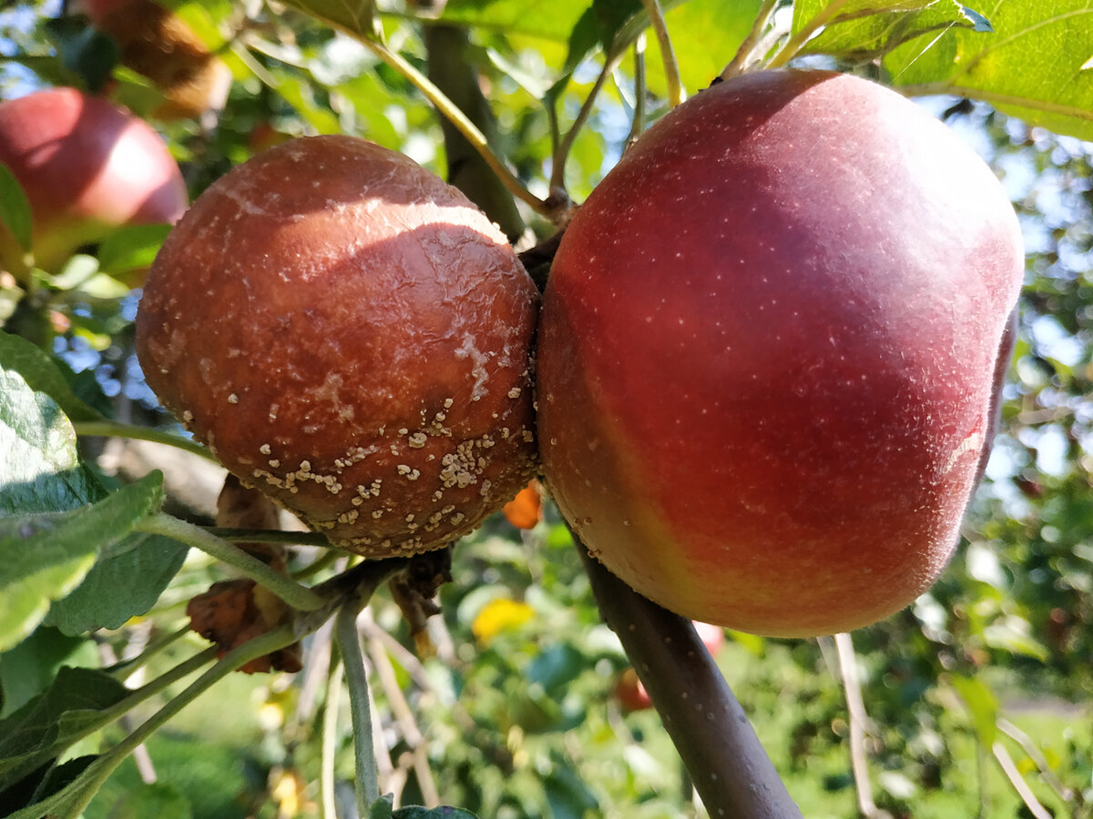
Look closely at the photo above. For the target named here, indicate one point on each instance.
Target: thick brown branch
(731, 771)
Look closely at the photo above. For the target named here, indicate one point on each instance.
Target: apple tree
(360, 360)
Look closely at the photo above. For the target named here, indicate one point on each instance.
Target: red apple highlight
(87, 167)
(767, 353)
(349, 334)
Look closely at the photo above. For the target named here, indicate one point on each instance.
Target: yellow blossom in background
(500, 615)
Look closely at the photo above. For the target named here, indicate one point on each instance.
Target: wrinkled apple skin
(87, 167)
(349, 334)
(767, 351)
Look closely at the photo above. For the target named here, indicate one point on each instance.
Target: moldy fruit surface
(768, 349)
(351, 335)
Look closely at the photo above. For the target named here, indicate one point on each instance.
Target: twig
(1037, 810)
(855, 706)
(403, 714)
(297, 596)
(290, 538)
(113, 429)
(125, 669)
(329, 747)
(676, 94)
(731, 771)
(404, 656)
(740, 59)
(637, 125)
(317, 667)
(348, 640)
(1034, 753)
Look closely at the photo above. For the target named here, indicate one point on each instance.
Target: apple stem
(730, 769)
(676, 94)
(637, 126)
(348, 638)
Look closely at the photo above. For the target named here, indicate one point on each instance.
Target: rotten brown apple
(348, 333)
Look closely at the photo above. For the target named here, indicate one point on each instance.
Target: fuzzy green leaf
(53, 720)
(43, 557)
(141, 564)
(41, 374)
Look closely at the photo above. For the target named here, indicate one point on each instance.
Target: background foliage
(978, 697)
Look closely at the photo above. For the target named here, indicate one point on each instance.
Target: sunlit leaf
(354, 16)
(1036, 64)
(689, 25)
(867, 37)
(551, 19)
(982, 705)
(132, 247)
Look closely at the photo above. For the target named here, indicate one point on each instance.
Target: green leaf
(353, 16)
(140, 801)
(43, 557)
(84, 50)
(382, 808)
(141, 564)
(52, 721)
(1037, 64)
(598, 27)
(15, 212)
(806, 12)
(41, 375)
(865, 38)
(982, 705)
(41, 471)
(556, 666)
(1015, 638)
(689, 25)
(568, 795)
(131, 248)
(28, 669)
(549, 19)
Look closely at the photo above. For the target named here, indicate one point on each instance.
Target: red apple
(767, 351)
(351, 335)
(87, 167)
(630, 692)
